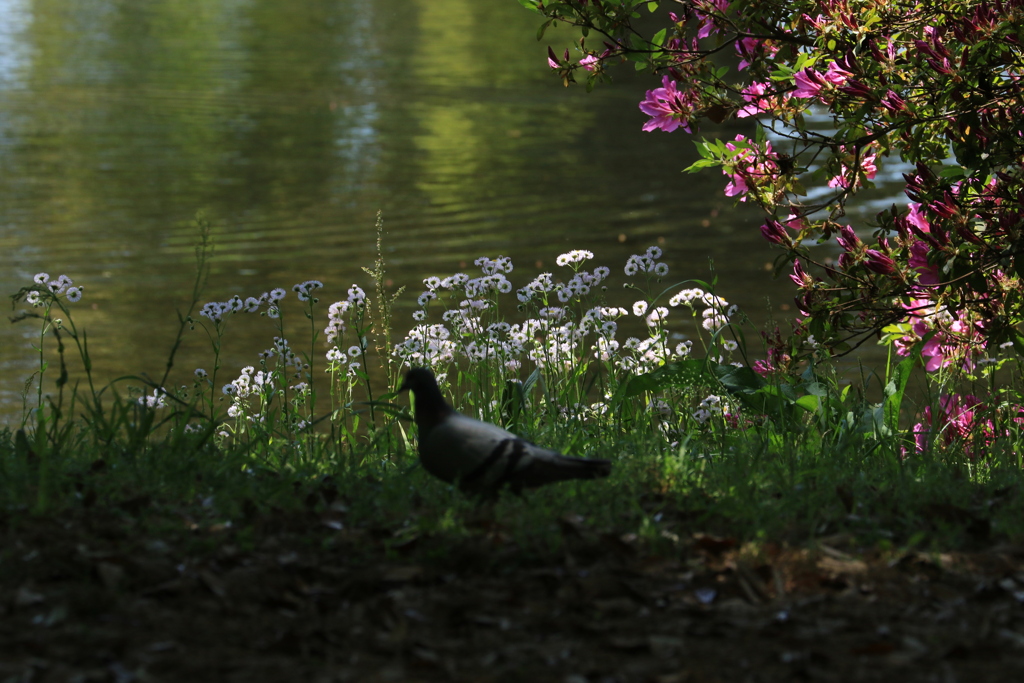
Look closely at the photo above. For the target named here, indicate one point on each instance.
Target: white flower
(686, 297)
(277, 294)
(234, 411)
(252, 304)
(639, 308)
(200, 373)
(701, 415)
(334, 355)
(661, 269)
(426, 297)
(229, 389)
(419, 316)
(356, 295)
(432, 282)
(574, 256)
(730, 345)
(354, 352)
(657, 316)
(41, 278)
(74, 294)
(273, 312)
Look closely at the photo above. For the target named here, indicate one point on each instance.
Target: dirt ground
(101, 595)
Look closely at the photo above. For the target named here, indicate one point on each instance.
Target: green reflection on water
(291, 125)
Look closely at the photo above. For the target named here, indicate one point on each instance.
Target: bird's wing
(481, 456)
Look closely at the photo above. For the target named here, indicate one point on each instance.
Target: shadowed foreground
(143, 593)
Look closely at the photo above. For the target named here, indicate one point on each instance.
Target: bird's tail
(565, 467)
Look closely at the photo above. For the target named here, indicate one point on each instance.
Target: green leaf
(952, 172)
(530, 5)
(659, 38)
(809, 403)
(651, 6)
(742, 380)
(895, 389)
(701, 163)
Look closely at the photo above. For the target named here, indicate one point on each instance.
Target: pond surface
(290, 125)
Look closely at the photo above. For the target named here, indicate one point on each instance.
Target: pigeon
(480, 457)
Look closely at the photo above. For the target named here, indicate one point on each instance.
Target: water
(291, 125)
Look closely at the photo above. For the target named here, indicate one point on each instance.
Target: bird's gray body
(481, 457)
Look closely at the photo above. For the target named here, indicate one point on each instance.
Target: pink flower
(759, 99)
(669, 108)
(748, 49)
(749, 168)
(927, 274)
(796, 222)
(736, 185)
(917, 218)
(808, 84)
(708, 17)
(956, 420)
(836, 75)
(799, 276)
(867, 168)
(589, 62)
(552, 59)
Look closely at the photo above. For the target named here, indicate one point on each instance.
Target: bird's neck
(431, 409)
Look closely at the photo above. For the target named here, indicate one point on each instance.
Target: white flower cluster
(61, 286)
(217, 310)
(711, 406)
(646, 263)
(157, 400)
(346, 361)
(355, 304)
(553, 338)
(686, 297)
(578, 287)
(304, 290)
(574, 256)
(502, 264)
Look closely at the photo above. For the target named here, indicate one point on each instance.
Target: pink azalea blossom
(707, 18)
(668, 107)
(956, 420)
(808, 84)
(760, 100)
(796, 222)
(589, 62)
(927, 274)
(748, 49)
(836, 75)
(867, 168)
(917, 218)
(749, 168)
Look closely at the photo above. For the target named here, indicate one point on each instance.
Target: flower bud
(877, 262)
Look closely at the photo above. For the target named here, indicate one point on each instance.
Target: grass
(699, 441)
